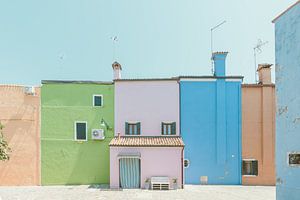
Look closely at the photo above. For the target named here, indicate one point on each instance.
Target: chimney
(219, 59)
(264, 73)
(117, 70)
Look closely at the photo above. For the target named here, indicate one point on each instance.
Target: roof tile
(147, 141)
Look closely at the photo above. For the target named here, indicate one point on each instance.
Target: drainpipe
(182, 185)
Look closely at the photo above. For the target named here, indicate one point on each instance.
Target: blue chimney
(219, 59)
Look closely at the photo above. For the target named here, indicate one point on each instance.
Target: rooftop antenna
(257, 49)
(211, 42)
(114, 40)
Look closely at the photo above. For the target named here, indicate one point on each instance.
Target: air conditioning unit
(98, 134)
(160, 183)
(29, 90)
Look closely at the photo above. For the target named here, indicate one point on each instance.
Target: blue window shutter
(138, 128)
(126, 128)
(173, 128)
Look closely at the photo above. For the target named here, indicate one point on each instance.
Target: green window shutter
(81, 131)
(255, 168)
(173, 128)
(126, 128)
(162, 128)
(244, 168)
(138, 128)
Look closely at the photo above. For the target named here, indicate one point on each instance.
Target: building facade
(20, 115)
(147, 139)
(77, 126)
(210, 114)
(287, 40)
(258, 130)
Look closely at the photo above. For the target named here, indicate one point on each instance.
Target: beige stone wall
(258, 131)
(20, 114)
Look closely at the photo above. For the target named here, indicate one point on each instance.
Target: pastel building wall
(148, 102)
(20, 114)
(258, 128)
(210, 114)
(287, 40)
(65, 160)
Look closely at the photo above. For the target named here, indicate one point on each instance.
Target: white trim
(233, 80)
(132, 122)
(129, 155)
(250, 175)
(86, 130)
(198, 79)
(56, 139)
(98, 95)
(249, 159)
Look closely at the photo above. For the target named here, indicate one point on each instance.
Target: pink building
(20, 115)
(258, 130)
(147, 139)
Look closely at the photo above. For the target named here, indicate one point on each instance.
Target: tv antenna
(257, 50)
(211, 42)
(114, 40)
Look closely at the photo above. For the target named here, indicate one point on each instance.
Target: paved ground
(89, 192)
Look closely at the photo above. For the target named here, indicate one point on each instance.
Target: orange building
(20, 115)
(258, 130)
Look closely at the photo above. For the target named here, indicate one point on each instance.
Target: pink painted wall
(258, 131)
(148, 102)
(155, 161)
(19, 113)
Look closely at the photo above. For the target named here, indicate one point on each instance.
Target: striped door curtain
(130, 173)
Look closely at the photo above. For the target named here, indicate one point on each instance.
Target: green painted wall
(64, 160)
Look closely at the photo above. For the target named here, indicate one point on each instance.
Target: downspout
(182, 185)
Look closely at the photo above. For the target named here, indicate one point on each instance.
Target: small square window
(168, 128)
(81, 131)
(250, 167)
(294, 159)
(97, 100)
(133, 128)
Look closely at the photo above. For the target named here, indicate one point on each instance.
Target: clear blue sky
(70, 39)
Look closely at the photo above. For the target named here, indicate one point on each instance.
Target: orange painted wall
(258, 131)
(19, 113)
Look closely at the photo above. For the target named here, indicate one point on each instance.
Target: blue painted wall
(287, 34)
(211, 130)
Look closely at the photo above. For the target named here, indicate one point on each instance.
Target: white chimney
(117, 70)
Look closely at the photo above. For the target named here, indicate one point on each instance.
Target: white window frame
(250, 160)
(86, 130)
(102, 100)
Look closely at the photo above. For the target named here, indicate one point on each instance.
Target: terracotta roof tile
(144, 141)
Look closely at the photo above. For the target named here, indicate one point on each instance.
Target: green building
(77, 120)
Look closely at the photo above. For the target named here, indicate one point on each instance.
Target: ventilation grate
(160, 186)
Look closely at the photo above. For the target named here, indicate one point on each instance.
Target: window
(168, 128)
(133, 128)
(97, 100)
(250, 167)
(81, 131)
(294, 159)
(186, 163)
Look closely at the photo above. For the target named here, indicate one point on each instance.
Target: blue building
(210, 114)
(287, 39)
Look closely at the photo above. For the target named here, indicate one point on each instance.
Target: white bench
(160, 183)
